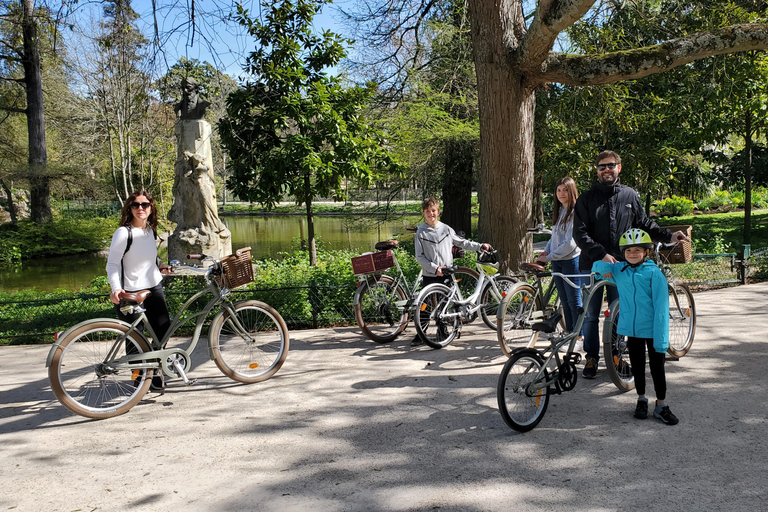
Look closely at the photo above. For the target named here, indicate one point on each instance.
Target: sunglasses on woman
(143, 206)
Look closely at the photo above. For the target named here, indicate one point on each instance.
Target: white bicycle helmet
(635, 237)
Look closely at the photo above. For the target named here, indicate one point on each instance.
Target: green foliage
(293, 129)
(56, 238)
(674, 206)
(720, 200)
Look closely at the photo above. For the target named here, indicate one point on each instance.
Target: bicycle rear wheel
(682, 319)
(432, 325)
(514, 317)
(85, 381)
(376, 309)
(252, 348)
(492, 300)
(615, 351)
(522, 409)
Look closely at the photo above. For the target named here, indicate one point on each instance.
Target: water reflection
(267, 235)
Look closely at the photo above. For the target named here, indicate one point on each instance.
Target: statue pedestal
(194, 210)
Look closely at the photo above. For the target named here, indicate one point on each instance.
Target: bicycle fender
(57, 344)
(525, 351)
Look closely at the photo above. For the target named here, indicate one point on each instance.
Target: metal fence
(316, 304)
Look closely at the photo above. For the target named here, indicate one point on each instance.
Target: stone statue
(194, 210)
(191, 105)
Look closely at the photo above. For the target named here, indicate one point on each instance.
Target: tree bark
(457, 186)
(310, 222)
(11, 207)
(40, 195)
(506, 105)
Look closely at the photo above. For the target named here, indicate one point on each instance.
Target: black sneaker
(664, 414)
(590, 369)
(416, 341)
(641, 411)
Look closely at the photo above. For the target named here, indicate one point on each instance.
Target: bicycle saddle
(531, 267)
(447, 271)
(386, 245)
(548, 325)
(137, 297)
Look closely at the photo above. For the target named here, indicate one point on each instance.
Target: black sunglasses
(611, 166)
(143, 206)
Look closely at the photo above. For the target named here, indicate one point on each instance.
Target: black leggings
(636, 349)
(157, 312)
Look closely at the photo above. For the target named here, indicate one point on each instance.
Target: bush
(674, 206)
(56, 238)
(719, 201)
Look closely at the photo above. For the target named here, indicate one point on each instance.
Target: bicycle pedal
(190, 382)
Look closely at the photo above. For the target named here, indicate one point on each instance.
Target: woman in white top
(138, 268)
(562, 252)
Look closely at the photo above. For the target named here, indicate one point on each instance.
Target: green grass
(723, 232)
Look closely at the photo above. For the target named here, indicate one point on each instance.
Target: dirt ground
(349, 425)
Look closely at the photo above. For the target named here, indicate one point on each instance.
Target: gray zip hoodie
(434, 245)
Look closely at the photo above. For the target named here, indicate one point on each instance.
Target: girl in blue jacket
(644, 317)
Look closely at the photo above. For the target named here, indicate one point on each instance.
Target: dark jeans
(591, 322)
(636, 348)
(570, 297)
(157, 312)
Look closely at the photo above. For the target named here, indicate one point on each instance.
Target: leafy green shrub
(674, 206)
(58, 237)
(719, 201)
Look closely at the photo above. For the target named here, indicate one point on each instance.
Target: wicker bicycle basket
(681, 252)
(237, 269)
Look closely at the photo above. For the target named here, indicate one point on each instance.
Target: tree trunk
(40, 194)
(506, 104)
(747, 236)
(11, 206)
(310, 222)
(457, 186)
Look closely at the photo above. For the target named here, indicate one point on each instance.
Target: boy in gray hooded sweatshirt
(434, 246)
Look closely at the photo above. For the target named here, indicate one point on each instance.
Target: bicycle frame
(559, 341)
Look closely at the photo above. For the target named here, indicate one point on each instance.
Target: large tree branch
(637, 63)
(551, 18)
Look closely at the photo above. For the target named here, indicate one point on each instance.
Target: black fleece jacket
(602, 214)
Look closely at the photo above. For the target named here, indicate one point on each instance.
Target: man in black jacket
(602, 214)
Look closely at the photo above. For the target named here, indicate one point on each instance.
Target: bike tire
(682, 319)
(376, 311)
(513, 318)
(519, 410)
(615, 352)
(488, 297)
(258, 356)
(434, 330)
(81, 378)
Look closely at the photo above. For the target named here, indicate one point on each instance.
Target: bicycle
(383, 302)
(524, 305)
(682, 326)
(441, 310)
(529, 376)
(248, 340)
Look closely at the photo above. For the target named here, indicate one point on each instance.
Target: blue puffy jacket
(643, 300)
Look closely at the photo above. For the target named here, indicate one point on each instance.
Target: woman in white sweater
(133, 265)
(562, 252)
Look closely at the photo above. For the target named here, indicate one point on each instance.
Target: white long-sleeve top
(561, 245)
(434, 245)
(140, 271)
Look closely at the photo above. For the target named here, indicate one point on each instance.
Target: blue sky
(223, 46)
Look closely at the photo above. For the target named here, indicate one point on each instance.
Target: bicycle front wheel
(682, 319)
(615, 351)
(491, 299)
(250, 346)
(514, 317)
(522, 407)
(90, 384)
(437, 322)
(377, 311)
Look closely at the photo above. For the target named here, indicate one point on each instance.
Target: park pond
(268, 236)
